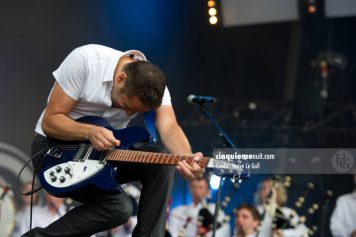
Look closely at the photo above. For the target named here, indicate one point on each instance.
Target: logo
(342, 161)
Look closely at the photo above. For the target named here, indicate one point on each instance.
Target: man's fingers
(190, 171)
(184, 169)
(103, 139)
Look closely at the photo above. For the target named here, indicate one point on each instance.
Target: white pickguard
(72, 172)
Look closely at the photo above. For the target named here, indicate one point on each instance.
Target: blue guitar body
(71, 168)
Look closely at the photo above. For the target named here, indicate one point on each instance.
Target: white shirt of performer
(343, 219)
(188, 215)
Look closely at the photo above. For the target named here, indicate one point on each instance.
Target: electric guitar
(70, 168)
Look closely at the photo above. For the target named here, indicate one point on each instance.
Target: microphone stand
(227, 143)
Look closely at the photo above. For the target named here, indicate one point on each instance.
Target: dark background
(237, 65)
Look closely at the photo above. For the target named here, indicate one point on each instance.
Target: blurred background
(283, 73)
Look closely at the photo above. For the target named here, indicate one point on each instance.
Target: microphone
(195, 99)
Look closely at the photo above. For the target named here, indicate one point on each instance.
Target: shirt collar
(109, 73)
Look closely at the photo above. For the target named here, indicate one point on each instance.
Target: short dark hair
(251, 208)
(146, 81)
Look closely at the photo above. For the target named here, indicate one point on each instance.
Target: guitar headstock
(226, 169)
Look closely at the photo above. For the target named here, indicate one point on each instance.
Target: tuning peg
(311, 185)
(316, 206)
(235, 179)
(236, 185)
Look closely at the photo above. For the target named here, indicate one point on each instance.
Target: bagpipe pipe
(301, 213)
(205, 220)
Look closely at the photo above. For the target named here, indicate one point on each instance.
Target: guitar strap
(150, 119)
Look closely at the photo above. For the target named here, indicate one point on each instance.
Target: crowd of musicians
(268, 216)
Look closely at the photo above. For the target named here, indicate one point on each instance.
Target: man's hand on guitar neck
(193, 170)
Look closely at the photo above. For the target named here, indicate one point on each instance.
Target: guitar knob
(62, 179)
(54, 178)
(51, 173)
(67, 170)
(58, 169)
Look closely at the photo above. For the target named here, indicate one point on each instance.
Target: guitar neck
(151, 157)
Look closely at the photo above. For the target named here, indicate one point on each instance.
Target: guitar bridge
(102, 160)
(83, 152)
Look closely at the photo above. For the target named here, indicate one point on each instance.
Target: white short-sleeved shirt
(180, 214)
(86, 75)
(342, 222)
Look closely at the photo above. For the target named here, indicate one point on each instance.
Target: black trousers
(103, 212)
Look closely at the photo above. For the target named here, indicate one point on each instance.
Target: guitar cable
(33, 190)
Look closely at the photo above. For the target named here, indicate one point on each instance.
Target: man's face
(199, 190)
(27, 187)
(245, 221)
(53, 201)
(131, 105)
(265, 190)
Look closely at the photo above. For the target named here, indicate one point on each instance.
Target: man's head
(199, 189)
(264, 191)
(26, 199)
(140, 82)
(53, 202)
(247, 218)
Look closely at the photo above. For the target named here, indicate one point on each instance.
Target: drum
(7, 211)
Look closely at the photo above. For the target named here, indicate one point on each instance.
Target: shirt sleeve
(71, 74)
(166, 100)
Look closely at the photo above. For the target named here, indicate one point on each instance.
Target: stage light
(311, 6)
(214, 182)
(311, 9)
(211, 3)
(212, 11)
(213, 20)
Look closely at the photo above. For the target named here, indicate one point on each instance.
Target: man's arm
(56, 123)
(174, 139)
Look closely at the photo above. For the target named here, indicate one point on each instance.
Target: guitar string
(146, 157)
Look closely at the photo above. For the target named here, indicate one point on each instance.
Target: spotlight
(311, 9)
(211, 3)
(213, 12)
(311, 6)
(214, 182)
(213, 20)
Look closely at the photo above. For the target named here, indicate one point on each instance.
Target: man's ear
(121, 78)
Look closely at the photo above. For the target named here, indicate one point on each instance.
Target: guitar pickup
(55, 152)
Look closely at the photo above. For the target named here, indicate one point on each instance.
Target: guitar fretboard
(152, 157)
